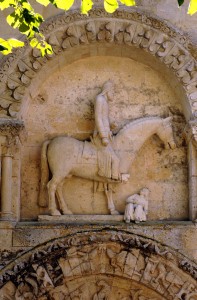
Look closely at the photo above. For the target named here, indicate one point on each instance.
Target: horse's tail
(42, 201)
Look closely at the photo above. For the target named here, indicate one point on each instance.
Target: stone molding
(145, 262)
(129, 28)
(190, 132)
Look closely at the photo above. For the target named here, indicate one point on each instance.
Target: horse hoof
(55, 212)
(114, 212)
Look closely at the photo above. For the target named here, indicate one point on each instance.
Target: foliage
(27, 21)
(192, 6)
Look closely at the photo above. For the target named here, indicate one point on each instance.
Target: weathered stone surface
(81, 218)
(153, 66)
(132, 29)
(95, 261)
(68, 110)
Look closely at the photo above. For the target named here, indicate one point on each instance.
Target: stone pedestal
(81, 218)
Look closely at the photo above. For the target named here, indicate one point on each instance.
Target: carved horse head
(165, 133)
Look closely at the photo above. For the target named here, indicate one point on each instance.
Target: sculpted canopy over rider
(106, 159)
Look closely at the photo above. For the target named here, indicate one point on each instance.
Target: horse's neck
(134, 135)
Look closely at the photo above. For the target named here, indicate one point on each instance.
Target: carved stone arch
(70, 35)
(95, 264)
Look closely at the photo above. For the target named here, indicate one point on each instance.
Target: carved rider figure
(108, 161)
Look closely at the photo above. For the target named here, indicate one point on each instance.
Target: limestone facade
(151, 58)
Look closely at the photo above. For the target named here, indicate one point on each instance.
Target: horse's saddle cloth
(98, 156)
(89, 153)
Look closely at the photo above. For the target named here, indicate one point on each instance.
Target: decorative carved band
(100, 254)
(123, 27)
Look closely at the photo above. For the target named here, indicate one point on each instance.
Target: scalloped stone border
(129, 28)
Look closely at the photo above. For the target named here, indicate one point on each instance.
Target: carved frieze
(7, 256)
(69, 266)
(123, 27)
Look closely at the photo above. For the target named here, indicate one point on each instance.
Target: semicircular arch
(75, 36)
(112, 263)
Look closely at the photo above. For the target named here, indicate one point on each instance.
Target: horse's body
(65, 157)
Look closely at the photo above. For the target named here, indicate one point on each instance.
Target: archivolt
(108, 262)
(128, 28)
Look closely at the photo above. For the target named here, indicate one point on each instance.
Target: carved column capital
(11, 129)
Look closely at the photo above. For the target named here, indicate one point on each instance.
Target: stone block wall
(60, 101)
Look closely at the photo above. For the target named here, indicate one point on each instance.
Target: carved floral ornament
(100, 265)
(123, 27)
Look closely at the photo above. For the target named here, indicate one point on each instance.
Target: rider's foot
(125, 177)
(54, 212)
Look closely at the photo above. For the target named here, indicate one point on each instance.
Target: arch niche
(126, 34)
(103, 264)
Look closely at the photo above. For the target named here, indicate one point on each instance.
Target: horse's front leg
(63, 206)
(52, 185)
(108, 193)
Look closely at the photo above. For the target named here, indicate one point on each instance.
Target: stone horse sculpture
(64, 157)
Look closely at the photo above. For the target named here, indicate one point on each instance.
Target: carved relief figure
(103, 292)
(108, 161)
(103, 159)
(137, 207)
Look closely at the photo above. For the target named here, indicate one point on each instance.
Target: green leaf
(35, 29)
(128, 2)
(28, 16)
(192, 7)
(110, 5)
(5, 4)
(49, 50)
(43, 2)
(40, 19)
(11, 19)
(2, 48)
(15, 43)
(86, 6)
(23, 28)
(180, 2)
(27, 6)
(64, 4)
(34, 42)
(4, 44)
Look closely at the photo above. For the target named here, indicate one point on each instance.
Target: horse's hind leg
(52, 186)
(60, 196)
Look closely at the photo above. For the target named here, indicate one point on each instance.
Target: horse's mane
(135, 122)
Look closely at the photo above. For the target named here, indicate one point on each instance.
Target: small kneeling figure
(137, 207)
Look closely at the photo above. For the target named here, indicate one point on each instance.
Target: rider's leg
(116, 170)
(115, 167)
